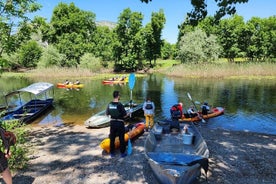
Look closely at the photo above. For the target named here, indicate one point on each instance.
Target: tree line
(254, 40)
(73, 39)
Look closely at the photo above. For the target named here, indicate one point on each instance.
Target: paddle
(190, 97)
(129, 146)
(131, 83)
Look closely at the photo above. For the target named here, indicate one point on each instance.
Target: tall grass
(167, 67)
(58, 72)
(222, 70)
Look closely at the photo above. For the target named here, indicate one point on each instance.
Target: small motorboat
(176, 152)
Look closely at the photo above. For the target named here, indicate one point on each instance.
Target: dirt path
(71, 155)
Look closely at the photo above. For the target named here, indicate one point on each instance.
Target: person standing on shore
(117, 112)
(149, 108)
(4, 168)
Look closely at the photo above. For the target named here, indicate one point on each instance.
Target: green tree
(29, 54)
(51, 57)
(262, 42)
(270, 24)
(70, 29)
(229, 33)
(199, 11)
(103, 41)
(89, 61)
(128, 46)
(167, 50)
(152, 36)
(197, 47)
(13, 13)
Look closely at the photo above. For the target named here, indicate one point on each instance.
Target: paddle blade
(131, 81)
(188, 94)
(129, 147)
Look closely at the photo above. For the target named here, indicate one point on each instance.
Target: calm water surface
(250, 105)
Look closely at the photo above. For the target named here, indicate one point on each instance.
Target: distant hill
(109, 24)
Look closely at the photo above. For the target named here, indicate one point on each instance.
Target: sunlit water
(250, 105)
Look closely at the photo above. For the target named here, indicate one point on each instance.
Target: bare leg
(7, 177)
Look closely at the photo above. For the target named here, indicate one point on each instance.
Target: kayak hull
(113, 82)
(61, 85)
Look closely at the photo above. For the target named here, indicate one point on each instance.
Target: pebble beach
(71, 155)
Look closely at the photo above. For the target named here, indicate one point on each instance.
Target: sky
(175, 10)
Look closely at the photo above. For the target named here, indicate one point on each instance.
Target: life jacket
(175, 107)
(149, 106)
(113, 110)
(204, 110)
(175, 111)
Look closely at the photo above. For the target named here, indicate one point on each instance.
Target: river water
(250, 105)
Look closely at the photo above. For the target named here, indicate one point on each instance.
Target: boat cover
(37, 88)
(173, 158)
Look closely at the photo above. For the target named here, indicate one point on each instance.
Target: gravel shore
(71, 155)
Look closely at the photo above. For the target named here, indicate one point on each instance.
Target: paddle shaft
(131, 83)
(190, 97)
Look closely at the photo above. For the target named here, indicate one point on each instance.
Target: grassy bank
(222, 70)
(168, 67)
(59, 73)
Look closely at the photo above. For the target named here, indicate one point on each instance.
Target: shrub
(51, 57)
(29, 54)
(89, 61)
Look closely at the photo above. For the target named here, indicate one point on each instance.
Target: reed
(58, 72)
(169, 68)
(223, 70)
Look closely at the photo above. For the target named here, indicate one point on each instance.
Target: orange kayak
(216, 111)
(134, 133)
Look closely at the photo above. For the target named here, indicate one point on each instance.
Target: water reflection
(168, 98)
(250, 104)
